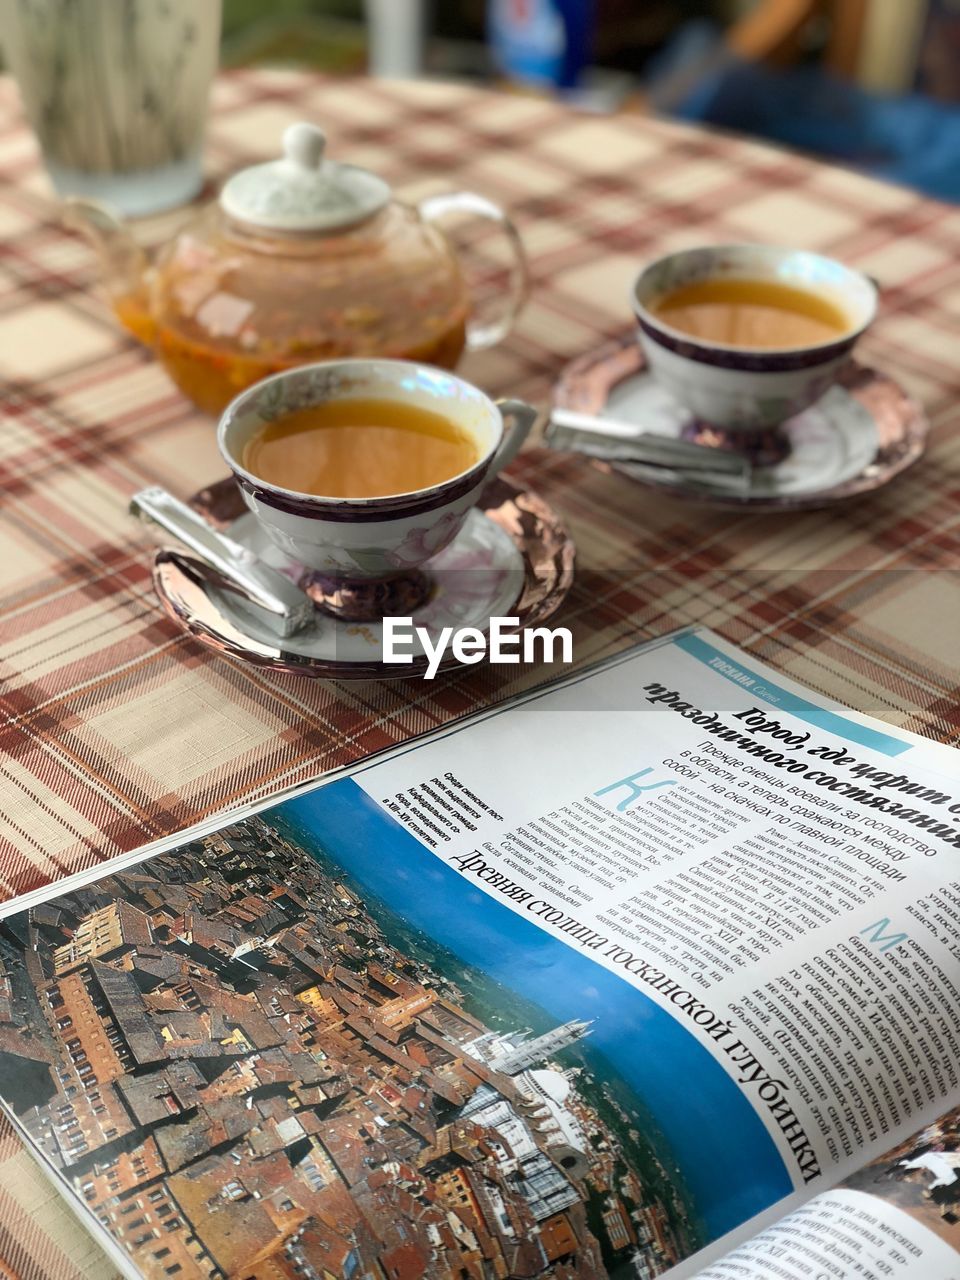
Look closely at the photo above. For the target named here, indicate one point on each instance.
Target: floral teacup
(739, 396)
(366, 554)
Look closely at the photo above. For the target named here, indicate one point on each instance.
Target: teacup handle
(518, 420)
(483, 334)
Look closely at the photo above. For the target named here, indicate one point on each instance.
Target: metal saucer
(514, 558)
(861, 434)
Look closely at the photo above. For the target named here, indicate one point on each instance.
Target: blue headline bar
(764, 690)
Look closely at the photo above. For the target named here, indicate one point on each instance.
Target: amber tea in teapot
(211, 375)
(360, 448)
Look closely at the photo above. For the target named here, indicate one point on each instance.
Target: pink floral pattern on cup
(422, 543)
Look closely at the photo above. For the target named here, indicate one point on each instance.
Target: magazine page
(898, 1218)
(772, 872)
(596, 985)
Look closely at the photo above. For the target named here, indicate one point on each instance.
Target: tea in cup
(360, 448)
(747, 335)
(363, 470)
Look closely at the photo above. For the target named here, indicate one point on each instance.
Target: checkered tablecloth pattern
(117, 728)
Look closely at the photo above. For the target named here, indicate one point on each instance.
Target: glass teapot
(300, 259)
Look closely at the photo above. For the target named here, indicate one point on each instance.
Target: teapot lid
(303, 191)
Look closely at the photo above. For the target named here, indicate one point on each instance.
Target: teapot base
(212, 376)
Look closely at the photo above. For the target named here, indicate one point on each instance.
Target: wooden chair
(773, 31)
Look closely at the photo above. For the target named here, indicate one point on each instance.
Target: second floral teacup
(740, 393)
(367, 553)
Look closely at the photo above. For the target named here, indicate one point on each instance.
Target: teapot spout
(123, 263)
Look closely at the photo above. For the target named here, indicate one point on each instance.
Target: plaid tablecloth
(117, 728)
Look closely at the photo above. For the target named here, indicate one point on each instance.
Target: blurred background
(873, 83)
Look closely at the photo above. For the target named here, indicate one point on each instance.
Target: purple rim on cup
(740, 396)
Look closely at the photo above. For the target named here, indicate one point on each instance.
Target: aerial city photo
(921, 1176)
(245, 1064)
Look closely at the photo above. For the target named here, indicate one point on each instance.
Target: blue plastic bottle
(541, 42)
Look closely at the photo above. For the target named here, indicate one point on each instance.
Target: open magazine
(656, 971)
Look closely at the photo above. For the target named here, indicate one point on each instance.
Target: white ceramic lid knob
(304, 144)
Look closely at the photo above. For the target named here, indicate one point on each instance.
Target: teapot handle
(483, 334)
